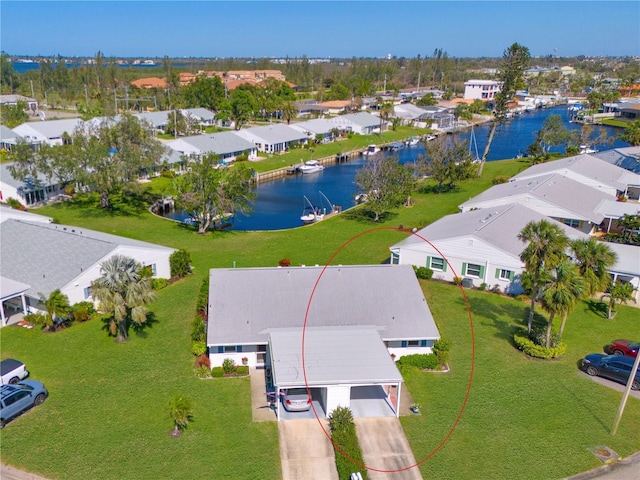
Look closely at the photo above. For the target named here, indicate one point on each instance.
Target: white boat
(413, 141)
(586, 149)
(311, 213)
(371, 150)
(311, 166)
(430, 138)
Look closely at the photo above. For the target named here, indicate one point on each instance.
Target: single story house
(627, 158)
(30, 191)
(378, 310)
(150, 82)
(8, 138)
(274, 138)
(201, 116)
(228, 145)
(157, 120)
(46, 256)
(362, 123)
(627, 266)
(479, 246)
(556, 196)
(409, 114)
(310, 108)
(323, 127)
(12, 100)
(50, 132)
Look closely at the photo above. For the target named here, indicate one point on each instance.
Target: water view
(279, 204)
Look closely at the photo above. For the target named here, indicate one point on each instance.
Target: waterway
(280, 203)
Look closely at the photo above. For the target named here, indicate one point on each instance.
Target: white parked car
(12, 371)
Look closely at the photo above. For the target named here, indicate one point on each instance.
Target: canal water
(280, 203)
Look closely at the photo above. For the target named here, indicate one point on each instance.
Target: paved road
(305, 452)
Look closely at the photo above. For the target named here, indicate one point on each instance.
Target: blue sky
(318, 29)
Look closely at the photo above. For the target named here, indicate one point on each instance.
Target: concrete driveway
(305, 451)
(385, 447)
(614, 385)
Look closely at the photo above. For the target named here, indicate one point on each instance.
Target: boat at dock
(413, 141)
(371, 150)
(311, 166)
(395, 146)
(314, 213)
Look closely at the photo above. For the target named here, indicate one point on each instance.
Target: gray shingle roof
(8, 135)
(627, 158)
(27, 185)
(574, 197)
(51, 128)
(157, 119)
(201, 114)
(276, 133)
(220, 143)
(363, 119)
(245, 303)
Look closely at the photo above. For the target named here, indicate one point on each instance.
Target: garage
(341, 366)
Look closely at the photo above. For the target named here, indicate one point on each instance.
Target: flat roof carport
(334, 357)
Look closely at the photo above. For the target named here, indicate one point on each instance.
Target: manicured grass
(615, 123)
(107, 415)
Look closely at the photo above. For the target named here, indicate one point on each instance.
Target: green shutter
(511, 275)
(497, 273)
(428, 265)
(481, 271)
(444, 265)
(464, 269)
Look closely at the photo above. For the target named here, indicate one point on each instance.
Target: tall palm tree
(545, 250)
(123, 292)
(181, 412)
(594, 259)
(562, 294)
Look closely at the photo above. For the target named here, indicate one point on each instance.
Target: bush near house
(427, 361)
(533, 349)
(343, 435)
(180, 263)
(423, 273)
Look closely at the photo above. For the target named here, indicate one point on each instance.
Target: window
(474, 270)
(230, 349)
(505, 274)
(395, 258)
(437, 264)
(413, 343)
(572, 222)
(88, 292)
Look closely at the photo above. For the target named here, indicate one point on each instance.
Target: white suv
(12, 371)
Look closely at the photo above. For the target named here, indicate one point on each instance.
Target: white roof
(332, 355)
(201, 114)
(49, 128)
(10, 288)
(156, 119)
(272, 134)
(8, 213)
(614, 209)
(409, 111)
(627, 157)
(220, 143)
(628, 261)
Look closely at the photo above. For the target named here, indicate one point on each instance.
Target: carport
(12, 298)
(345, 366)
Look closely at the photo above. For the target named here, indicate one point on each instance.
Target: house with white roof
(350, 318)
(30, 191)
(323, 127)
(13, 99)
(201, 116)
(50, 132)
(627, 266)
(556, 196)
(627, 158)
(40, 257)
(274, 138)
(362, 123)
(8, 138)
(157, 120)
(479, 246)
(410, 114)
(228, 145)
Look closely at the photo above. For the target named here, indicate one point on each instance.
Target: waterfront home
(409, 114)
(39, 257)
(30, 191)
(50, 132)
(228, 145)
(362, 123)
(627, 158)
(358, 317)
(556, 196)
(484, 90)
(479, 246)
(274, 138)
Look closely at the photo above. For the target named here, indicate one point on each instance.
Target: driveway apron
(305, 452)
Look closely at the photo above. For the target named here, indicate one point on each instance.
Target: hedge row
(539, 351)
(343, 434)
(420, 360)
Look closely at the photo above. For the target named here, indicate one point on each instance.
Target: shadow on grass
(140, 330)
(367, 217)
(439, 190)
(598, 307)
(122, 204)
(582, 402)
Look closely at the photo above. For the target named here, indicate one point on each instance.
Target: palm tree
(618, 292)
(57, 306)
(545, 250)
(289, 111)
(181, 412)
(562, 294)
(386, 111)
(123, 292)
(594, 259)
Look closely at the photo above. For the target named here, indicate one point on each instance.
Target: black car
(613, 367)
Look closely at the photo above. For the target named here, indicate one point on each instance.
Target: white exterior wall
(30, 134)
(338, 396)
(7, 191)
(481, 89)
(250, 352)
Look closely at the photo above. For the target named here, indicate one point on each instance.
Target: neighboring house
(627, 266)
(556, 196)
(150, 82)
(627, 158)
(12, 100)
(353, 319)
(484, 90)
(480, 246)
(310, 108)
(8, 138)
(30, 191)
(157, 120)
(274, 138)
(228, 145)
(336, 107)
(409, 114)
(46, 257)
(630, 113)
(362, 123)
(323, 127)
(50, 132)
(588, 170)
(201, 116)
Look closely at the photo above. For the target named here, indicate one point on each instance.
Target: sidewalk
(11, 473)
(625, 469)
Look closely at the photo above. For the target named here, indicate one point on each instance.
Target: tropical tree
(562, 294)
(632, 133)
(289, 111)
(209, 191)
(553, 133)
(515, 60)
(448, 163)
(57, 306)
(181, 412)
(619, 292)
(594, 259)
(386, 183)
(123, 293)
(545, 249)
(386, 112)
(14, 115)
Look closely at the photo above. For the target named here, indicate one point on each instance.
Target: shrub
(498, 179)
(167, 173)
(199, 348)
(457, 280)
(243, 157)
(203, 296)
(483, 286)
(82, 311)
(180, 262)
(496, 289)
(343, 434)
(217, 372)
(539, 351)
(159, 283)
(242, 370)
(37, 319)
(203, 372)
(198, 330)
(538, 336)
(228, 365)
(407, 370)
(424, 273)
(203, 361)
(441, 350)
(420, 360)
(285, 262)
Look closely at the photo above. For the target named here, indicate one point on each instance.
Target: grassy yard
(107, 413)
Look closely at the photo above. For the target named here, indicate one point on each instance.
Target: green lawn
(107, 414)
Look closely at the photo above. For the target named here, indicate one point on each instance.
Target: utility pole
(419, 81)
(384, 87)
(32, 94)
(86, 95)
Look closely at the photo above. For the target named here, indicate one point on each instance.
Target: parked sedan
(296, 400)
(613, 367)
(624, 347)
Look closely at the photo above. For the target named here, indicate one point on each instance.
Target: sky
(335, 29)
